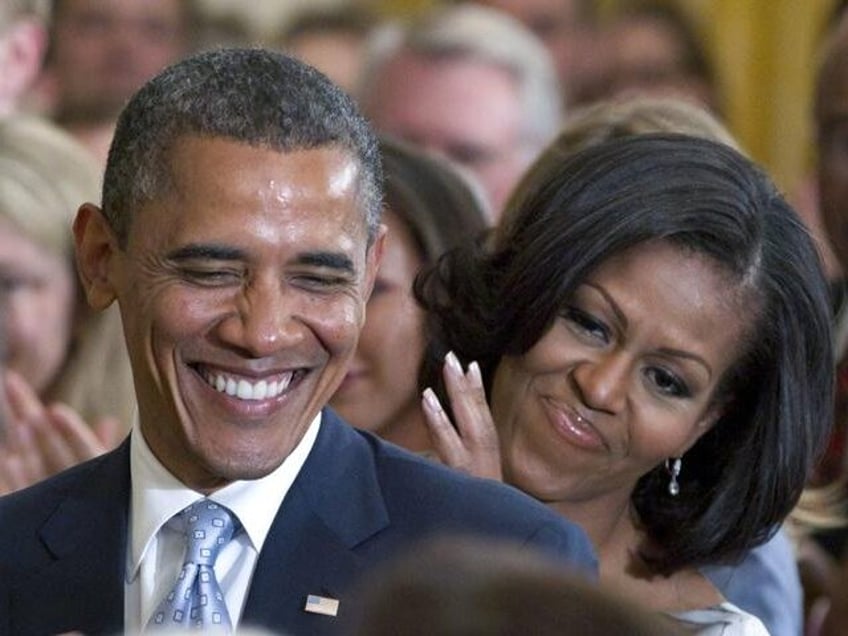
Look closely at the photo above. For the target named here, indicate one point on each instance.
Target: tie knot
(208, 526)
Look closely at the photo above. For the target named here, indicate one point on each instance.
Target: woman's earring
(673, 465)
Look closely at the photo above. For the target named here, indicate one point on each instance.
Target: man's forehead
(329, 171)
(186, 147)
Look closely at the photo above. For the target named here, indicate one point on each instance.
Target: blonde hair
(612, 119)
(44, 176)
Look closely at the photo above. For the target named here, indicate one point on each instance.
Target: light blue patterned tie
(196, 601)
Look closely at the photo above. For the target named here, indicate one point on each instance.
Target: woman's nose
(602, 381)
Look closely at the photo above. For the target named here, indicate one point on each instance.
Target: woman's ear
(706, 422)
(373, 259)
(96, 252)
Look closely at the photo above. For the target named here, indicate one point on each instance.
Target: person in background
(23, 41)
(240, 235)
(331, 40)
(658, 373)
(831, 122)
(835, 620)
(429, 208)
(100, 53)
(831, 119)
(460, 586)
(67, 374)
(569, 30)
(653, 49)
(470, 83)
(4, 408)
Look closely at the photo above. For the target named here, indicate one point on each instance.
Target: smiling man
(240, 235)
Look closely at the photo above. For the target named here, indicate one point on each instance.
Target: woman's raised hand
(469, 444)
(41, 440)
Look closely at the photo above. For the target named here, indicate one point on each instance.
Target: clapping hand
(40, 440)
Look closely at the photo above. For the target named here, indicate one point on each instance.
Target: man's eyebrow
(207, 251)
(218, 252)
(330, 260)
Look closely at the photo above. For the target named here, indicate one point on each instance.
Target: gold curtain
(766, 54)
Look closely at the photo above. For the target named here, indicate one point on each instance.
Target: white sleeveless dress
(724, 619)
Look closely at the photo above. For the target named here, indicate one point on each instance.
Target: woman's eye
(586, 324)
(668, 383)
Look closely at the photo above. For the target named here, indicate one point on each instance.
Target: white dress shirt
(156, 546)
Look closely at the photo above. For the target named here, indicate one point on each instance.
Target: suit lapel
(334, 505)
(82, 589)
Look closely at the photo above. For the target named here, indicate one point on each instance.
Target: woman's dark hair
(433, 200)
(746, 473)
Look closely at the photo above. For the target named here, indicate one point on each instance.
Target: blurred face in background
(466, 110)
(648, 56)
(38, 297)
(102, 51)
(560, 25)
(337, 54)
(381, 383)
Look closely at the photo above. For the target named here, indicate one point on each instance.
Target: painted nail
(432, 401)
(474, 372)
(453, 363)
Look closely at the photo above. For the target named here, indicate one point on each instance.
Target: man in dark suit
(240, 235)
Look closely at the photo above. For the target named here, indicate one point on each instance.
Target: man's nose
(265, 320)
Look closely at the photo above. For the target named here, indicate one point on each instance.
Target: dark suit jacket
(356, 501)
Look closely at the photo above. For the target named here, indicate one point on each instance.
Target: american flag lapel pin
(321, 605)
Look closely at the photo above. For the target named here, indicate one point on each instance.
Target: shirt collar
(157, 495)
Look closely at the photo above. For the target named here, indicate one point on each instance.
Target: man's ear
(96, 253)
(373, 259)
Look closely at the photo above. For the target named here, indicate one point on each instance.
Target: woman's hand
(42, 440)
(472, 444)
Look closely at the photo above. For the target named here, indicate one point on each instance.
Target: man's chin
(221, 472)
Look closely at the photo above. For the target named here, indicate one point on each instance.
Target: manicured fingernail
(474, 372)
(431, 400)
(453, 363)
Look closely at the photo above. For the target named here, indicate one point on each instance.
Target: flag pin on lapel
(321, 605)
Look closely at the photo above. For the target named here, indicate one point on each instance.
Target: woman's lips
(572, 426)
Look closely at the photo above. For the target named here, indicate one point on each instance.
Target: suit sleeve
(568, 543)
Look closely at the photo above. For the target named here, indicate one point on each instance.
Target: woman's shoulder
(724, 619)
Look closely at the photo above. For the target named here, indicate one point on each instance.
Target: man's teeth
(245, 390)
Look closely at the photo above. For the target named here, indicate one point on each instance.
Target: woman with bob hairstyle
(649, 352)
